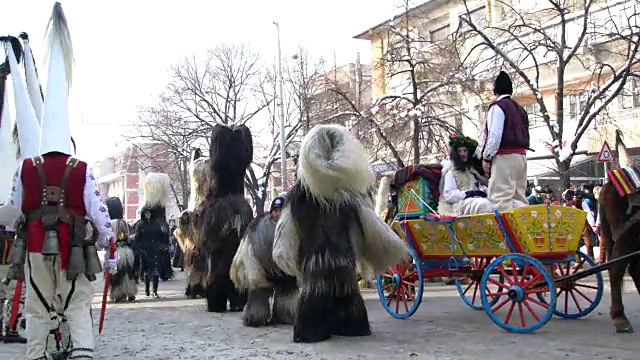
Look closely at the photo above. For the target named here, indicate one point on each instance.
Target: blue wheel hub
(515, 293)
(397, 280)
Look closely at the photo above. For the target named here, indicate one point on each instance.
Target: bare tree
(549, 44)
(163, 141)
(218, 89)
(424, 76)
(303, 86)
(257, 182)
(226, 87)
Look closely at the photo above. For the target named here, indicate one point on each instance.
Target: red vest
(515, 135)
(54, 165)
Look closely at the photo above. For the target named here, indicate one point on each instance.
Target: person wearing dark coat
(178, 255)
(152, 241)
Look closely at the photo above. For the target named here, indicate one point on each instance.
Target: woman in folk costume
(463, 191)
(329, 231)
(200, 179)
(254, 270)
(222, 218)
(152, 231)
(45, 187)
(124, 285)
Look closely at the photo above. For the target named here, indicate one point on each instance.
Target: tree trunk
(260, 205)
(563, 169)
(415, 140)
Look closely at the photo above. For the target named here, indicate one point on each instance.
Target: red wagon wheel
(401, 287)
(469, 285)
(576, 298)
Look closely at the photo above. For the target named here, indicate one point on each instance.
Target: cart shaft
(594, 270)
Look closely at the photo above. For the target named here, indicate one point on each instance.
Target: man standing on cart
(504, 153)
(463, 190)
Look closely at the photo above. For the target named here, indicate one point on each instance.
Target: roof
(368, 34)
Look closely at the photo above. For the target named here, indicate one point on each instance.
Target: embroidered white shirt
(451, 193)
(96, 209)
(495, 126)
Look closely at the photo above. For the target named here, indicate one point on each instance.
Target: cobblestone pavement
(443, 328)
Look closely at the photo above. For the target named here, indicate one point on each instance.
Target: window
(439, 34)
(533, 111)
(478, 17)
(457, 121)
(629, 19)
(629, 98)
(576, 103)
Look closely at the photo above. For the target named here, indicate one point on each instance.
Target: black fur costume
(254, 270)
(124, 283)
(223, 216)
(328, 232)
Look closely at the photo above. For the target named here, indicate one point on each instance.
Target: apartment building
(353, 82)
(436, 22)
(122, 175)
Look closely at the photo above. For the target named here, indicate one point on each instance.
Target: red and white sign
(606, 155)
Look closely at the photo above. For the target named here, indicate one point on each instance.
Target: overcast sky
(124, 48)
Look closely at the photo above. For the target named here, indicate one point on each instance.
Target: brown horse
(620, 222)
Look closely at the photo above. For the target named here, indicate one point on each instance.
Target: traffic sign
(606, 155)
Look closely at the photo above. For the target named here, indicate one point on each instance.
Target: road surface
(173, 327)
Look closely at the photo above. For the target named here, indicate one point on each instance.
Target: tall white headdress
(28, 127)
(56, 130)
(33, 83)
(8, 147)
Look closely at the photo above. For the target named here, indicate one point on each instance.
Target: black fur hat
(230, 155)
(116, 210)
(503, 84)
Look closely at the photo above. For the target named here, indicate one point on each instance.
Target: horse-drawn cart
(519, 266)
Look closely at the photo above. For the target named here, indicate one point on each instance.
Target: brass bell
(92, 261)
(18, 251)
(50, 246)
(15, 272)
(76, 264)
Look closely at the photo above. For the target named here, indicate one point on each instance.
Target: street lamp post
(283, 147)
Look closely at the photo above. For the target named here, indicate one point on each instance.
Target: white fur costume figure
(328, 231)
(185, 232)
(254, 270)
(124, 285)
(382, 197)
(463, 191)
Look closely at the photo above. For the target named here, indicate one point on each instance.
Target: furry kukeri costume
(254, 270)
(199, 176)
(382, 197)
(222, 218)
(152, 232)
(328, 231)
(124, 284)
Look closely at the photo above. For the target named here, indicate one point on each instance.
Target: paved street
(443, 328)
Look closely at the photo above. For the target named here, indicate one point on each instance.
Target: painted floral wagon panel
(567, 225)
(431, 238)
(480, 234)
(530, 228)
